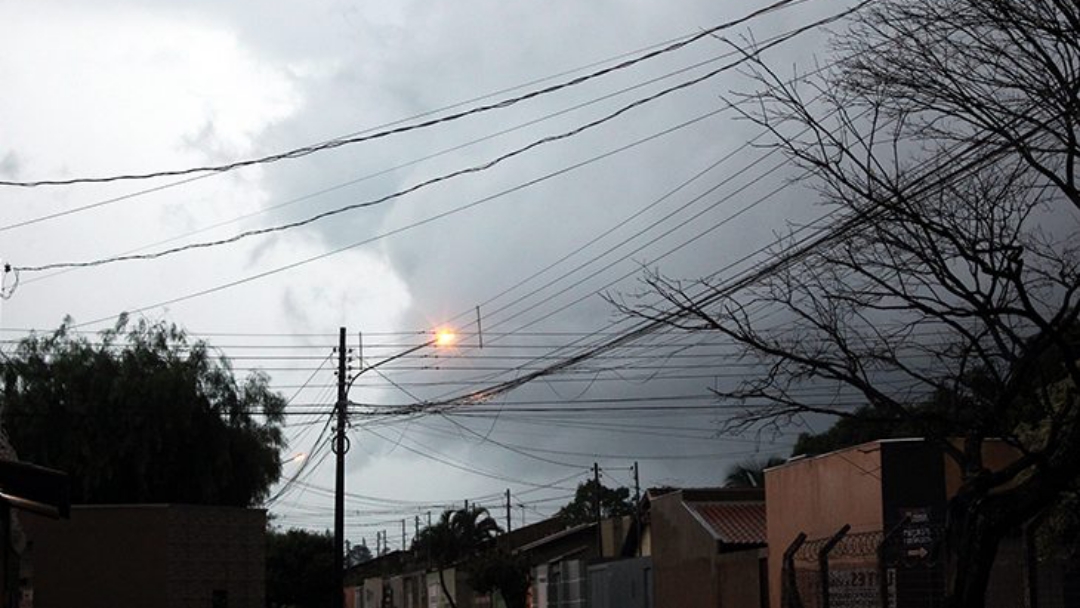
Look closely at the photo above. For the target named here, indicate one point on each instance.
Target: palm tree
(456, 536)
(750, 473)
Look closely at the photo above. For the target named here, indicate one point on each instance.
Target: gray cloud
(356, 67)
(9, 165)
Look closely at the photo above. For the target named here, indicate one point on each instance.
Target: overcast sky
(130, 87)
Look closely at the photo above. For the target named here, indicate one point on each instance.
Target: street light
(443, 337)
(297, 457)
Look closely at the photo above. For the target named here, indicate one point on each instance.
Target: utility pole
(402, 533)
(508, 523)
(340, 448)
(596, 510)
(637, 507)
(417, 526)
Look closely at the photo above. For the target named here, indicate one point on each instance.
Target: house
(559, 566)
(696, 547)
(398, 579)
(162, 555)
(707, 547)
(403, 579)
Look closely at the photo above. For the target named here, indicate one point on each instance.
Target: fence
(904, 568)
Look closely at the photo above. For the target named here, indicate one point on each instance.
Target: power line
(438, 179)
(399, 230)
(829, 235)
(349, 140)
(368, 176)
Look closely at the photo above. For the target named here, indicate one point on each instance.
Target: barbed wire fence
(904, 567)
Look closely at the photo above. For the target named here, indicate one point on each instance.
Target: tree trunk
(446, 592)
(979, 520)
(974, 544)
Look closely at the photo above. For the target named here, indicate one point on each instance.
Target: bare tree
(945, 143)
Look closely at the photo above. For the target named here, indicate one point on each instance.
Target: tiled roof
(733, 523)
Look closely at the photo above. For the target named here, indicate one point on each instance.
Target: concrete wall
(456, 583)
(621, 583)
(100, 558)
(817, 496)
(540, 586)
(741, 579)
(567, 584)
(149, 555)
(683, 552)
(216, 548)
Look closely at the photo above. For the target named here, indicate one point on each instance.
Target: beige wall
(828, 491)
(740, 578)
(996, 456)
(682, 552)
(372, 592)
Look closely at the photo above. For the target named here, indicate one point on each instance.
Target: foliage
(614, 502)
(142, 414)
(943, 293)
(357, 554)
(750, 473)
(943, 414)
(300, 569)
(498, 570)
(457, 536)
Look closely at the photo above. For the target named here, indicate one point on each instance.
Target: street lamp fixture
(443, 338)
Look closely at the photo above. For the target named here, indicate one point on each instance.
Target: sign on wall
(854, 587)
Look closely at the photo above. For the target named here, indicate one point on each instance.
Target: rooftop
(732, 523)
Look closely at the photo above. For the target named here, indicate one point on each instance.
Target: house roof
(557, 536)
(732, 523)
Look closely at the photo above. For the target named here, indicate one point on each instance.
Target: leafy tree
(939, 416)
(357, 554)
(507, 573)
(300, 569)
(456, 537)
(143, 414)
(614, 502)
(945, 145)
(750, 473)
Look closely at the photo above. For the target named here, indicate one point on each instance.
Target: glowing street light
(443, 338)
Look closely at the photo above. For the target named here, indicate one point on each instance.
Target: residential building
(707, 547)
